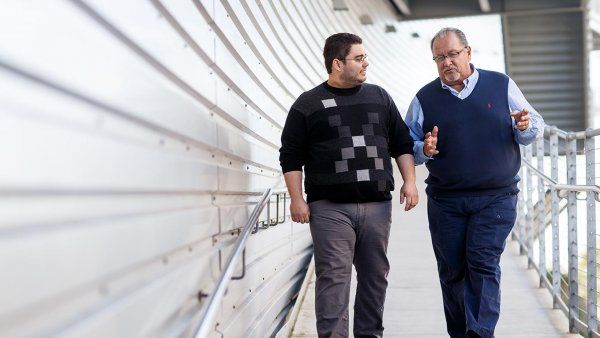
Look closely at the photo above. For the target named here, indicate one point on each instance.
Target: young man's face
(455, 66)
(354, 68)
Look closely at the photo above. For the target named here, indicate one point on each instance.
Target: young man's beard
(356, 78)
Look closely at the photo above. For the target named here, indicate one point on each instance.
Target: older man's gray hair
(442, 33)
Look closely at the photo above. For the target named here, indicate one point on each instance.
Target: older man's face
(453, 68)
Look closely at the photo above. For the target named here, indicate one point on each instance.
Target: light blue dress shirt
(516, 101)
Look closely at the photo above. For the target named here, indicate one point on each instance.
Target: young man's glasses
(359, 59)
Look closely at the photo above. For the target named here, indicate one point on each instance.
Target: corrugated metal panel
(129, 143)
(430, 9)
(134, 137)
(545, 55)
(512, 5)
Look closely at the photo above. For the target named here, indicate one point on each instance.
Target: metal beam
(485, 6)
(594, 19)
(402, 6)
(430, 9)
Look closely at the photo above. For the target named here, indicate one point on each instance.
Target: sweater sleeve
(400, 141)
(293, 151)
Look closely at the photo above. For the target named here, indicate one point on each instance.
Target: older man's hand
(430, 143)
(521, 119)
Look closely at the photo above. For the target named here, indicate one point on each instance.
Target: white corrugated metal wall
(135, 135)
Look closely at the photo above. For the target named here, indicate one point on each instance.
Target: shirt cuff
(526, 136)
(420, 156)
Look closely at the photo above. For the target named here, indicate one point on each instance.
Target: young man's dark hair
(338, 46)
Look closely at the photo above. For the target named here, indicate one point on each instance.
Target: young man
(475, 120)
(344, 132)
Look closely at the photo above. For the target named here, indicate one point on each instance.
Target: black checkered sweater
(344, 139)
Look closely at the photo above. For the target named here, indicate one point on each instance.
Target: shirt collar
(469, 80)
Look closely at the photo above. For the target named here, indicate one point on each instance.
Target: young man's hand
(299, 210)
(409, 193)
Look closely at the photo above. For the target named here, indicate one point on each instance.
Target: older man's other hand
(521, 119)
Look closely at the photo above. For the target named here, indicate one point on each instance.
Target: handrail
(567, 135)
(209, 309)
(539, 173)
(563, 188)
(578, 299)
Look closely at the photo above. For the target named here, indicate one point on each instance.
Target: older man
(344, 132)
(467, 126)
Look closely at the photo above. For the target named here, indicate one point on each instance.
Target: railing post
(529, 216)
(541, 214)
(520, 231)
(276, 220)
(209, 308)
(284, 207)
(269, 211)
(556, 283)
(572, 237)
(590, 174)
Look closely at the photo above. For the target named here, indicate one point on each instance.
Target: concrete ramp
(414, 301)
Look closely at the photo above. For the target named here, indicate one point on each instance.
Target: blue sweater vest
(478, 154)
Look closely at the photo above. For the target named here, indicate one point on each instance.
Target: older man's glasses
(453, 54)
(359, 59)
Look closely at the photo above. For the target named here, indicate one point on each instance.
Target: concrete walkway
(414, 303)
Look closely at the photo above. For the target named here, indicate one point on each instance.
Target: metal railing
(555, 201)
(211, 304)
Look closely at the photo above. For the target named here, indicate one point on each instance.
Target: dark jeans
(468, 236)
(346, 233)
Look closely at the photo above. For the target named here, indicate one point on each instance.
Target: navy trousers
(468, 236)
